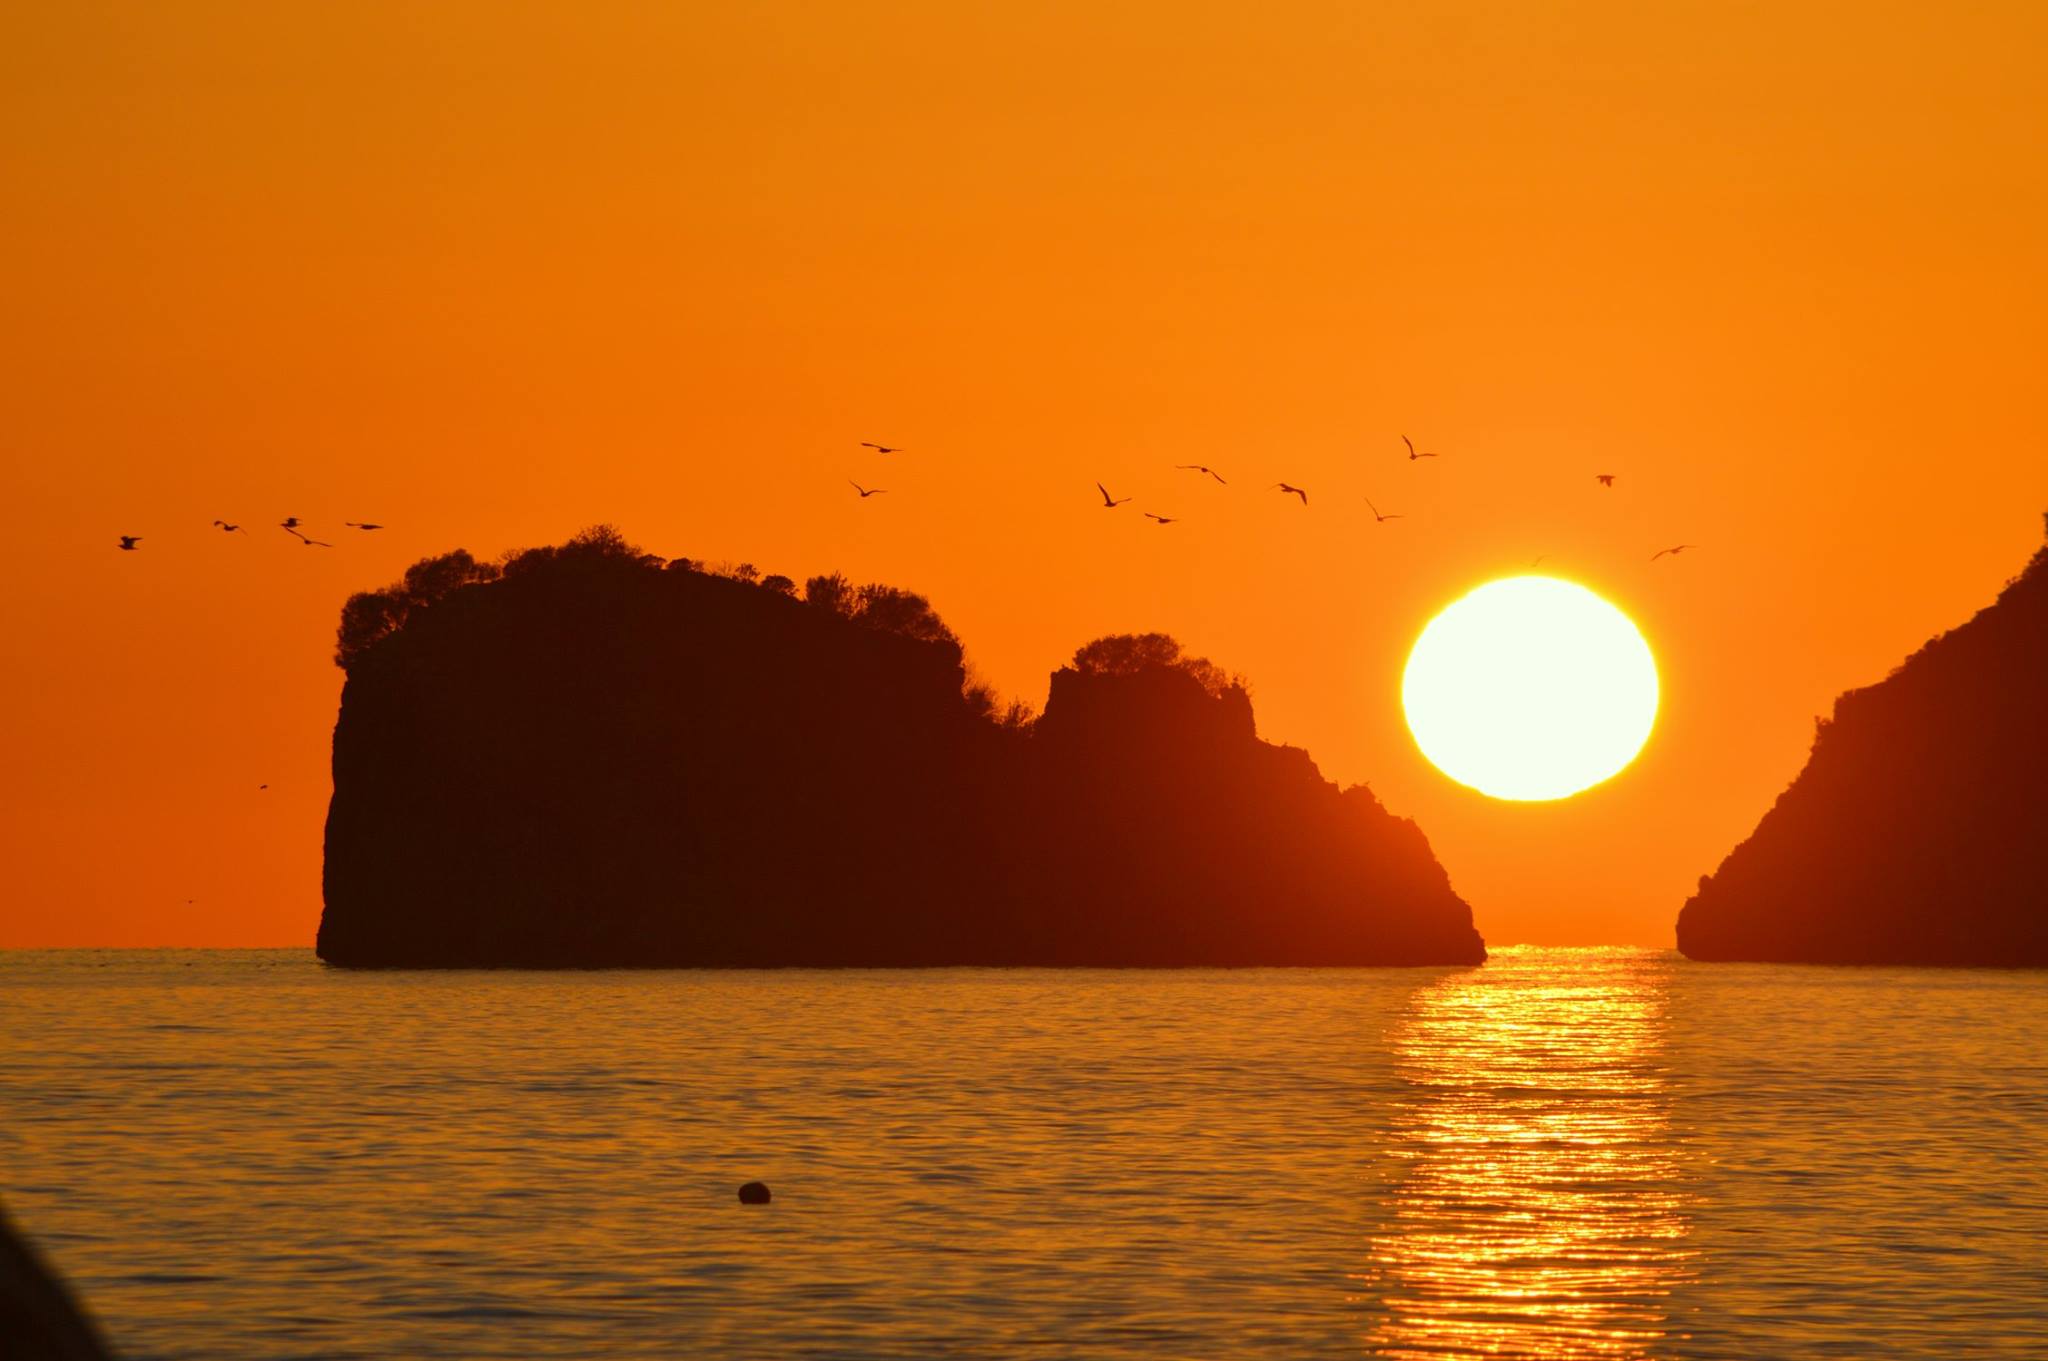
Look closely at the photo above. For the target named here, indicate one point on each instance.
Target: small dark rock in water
(754, 1193)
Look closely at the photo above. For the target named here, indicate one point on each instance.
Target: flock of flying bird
(1110, 502)
(291, 524)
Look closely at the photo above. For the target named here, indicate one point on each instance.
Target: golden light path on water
(1540, 1206)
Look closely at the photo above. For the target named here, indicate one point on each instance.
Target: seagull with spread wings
(882, 448)
(1289, 489)
(1110, 502)
(1162, 519)
(1201, 468)
(866, 492)
(128, 542)
(1673, 551)
(1412, 454)
(1378, 518)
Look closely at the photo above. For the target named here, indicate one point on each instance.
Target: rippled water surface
(1565, 1153)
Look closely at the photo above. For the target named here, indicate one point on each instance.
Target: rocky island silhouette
(589, 756)
(1917, 833)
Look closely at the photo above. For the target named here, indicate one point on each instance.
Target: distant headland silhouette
(1918, 831)
(588, 756)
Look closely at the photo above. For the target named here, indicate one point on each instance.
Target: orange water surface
(1563, 1153)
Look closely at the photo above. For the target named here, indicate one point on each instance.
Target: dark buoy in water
(754, 1193)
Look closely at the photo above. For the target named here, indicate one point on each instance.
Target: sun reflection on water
(1539, 1205)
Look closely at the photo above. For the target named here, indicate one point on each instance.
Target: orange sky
(486, 272)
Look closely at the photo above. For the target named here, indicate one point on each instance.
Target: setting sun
(1530, 688)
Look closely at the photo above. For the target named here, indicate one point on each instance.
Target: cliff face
(614, 764)
(1918, 832)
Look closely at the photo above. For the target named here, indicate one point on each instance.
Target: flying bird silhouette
(1162, 519)
(882, 448)
(1379, 518)
(291, 522)
(1412, 455)
(1110, 502)
(866, 492)
(358, 524)
(1537, 561)
(1604, 479)
(1288, 489)
(227, 528)
(128, 542)
(1202, 468)
(310, 543)
(1673, 551)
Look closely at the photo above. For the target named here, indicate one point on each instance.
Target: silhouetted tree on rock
(831, 592)
(368, 617)
(1126, 654)
(900, 612)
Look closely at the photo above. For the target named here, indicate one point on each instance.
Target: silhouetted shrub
(600, 546)
(1127, 654)
(372, 616)
(984, 703)
(889, 610)
(832, 592)
(520, 562)
(602, 541)
(369, 617)
(432, 579)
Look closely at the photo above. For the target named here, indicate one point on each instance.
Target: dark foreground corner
(1918, 831)
(38, 1320)
(587, 756)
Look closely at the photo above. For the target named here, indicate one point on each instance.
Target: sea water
(1564, 1153)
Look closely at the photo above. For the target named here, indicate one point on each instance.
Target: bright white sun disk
(1530, 688)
